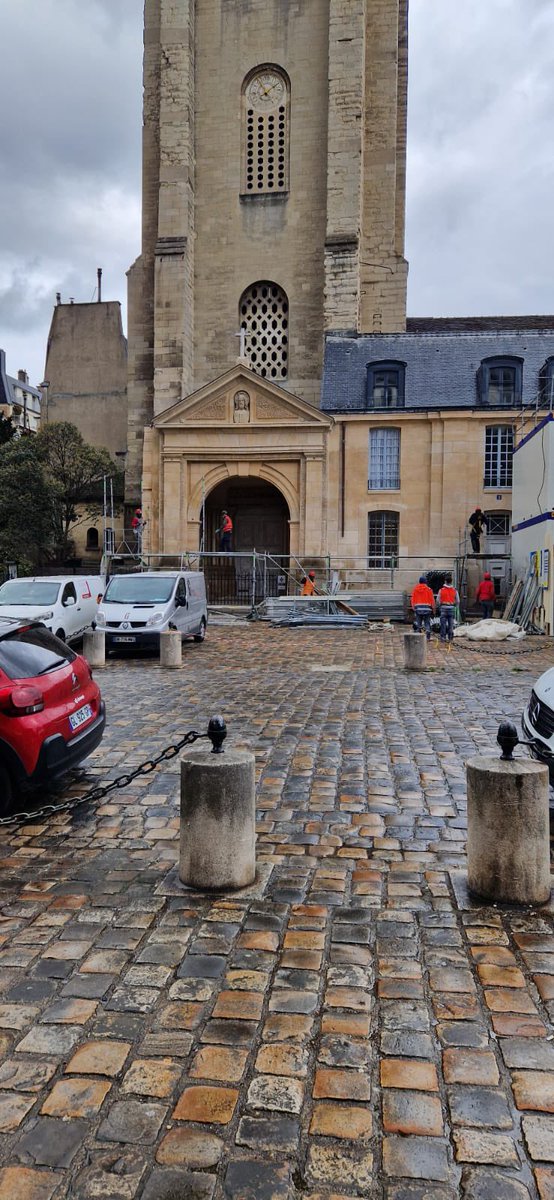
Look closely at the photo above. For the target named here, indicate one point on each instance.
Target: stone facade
(332, 241)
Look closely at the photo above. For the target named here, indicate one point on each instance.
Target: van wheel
(60, 634)
(199, 637)
(6, 792)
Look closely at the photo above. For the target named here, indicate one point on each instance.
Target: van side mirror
(69, 601)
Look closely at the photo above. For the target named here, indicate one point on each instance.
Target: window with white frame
(499, 524)
(384, 460)
(500, 381)
(499, 448)
(385, 384)
(382, 539)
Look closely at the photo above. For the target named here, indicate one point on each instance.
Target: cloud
(70, 135)
(479, 174)
(480, 171)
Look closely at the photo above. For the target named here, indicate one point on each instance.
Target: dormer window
(499, 382)
(385, 385)
(546, 384)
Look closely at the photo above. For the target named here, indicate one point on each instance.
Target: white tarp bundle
(490, 631)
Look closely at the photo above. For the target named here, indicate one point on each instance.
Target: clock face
(265, 91)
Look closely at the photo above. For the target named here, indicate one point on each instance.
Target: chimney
(58, 297)
(22, 377)
(99, 277)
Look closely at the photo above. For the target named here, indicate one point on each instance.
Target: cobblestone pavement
(353, 1025)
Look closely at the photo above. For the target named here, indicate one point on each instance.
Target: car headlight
(100, 618)
(155, 620)
(45, 616)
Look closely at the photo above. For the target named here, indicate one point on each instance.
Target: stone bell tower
(273, 193)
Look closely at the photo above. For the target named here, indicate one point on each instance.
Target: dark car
(51, 711)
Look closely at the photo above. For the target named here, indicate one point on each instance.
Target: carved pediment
(241, 398)
(267, 408)
(214, 409)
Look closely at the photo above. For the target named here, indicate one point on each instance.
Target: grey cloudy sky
(480, 162)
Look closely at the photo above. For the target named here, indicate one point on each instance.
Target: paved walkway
(353, 1025)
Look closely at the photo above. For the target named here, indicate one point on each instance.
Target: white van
(66, 604)
(136, 608)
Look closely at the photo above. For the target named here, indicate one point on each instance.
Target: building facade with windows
(425, 427)
(19, 400)
(272, 371)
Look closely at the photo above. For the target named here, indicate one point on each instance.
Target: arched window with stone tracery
(264, 317)
(265, 132)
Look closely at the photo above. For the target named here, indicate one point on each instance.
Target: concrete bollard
(415, 651)
(94, 647)
(508, 842)
(171, 648)
(218, 820)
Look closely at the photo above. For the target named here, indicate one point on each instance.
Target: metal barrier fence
(248, 578)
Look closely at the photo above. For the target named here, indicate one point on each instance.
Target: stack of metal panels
(378, 606)
(522, 602)
(367, 606)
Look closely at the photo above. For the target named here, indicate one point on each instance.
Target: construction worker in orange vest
(423, 604)
(226, 531)
(448, 600)
(308, 585)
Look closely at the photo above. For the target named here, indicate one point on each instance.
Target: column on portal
(315, 524)
(151, 490)
(170, 517)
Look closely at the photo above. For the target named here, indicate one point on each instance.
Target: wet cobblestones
(353, 1024)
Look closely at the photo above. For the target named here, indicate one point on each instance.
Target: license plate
(78, 718)
(125, 639)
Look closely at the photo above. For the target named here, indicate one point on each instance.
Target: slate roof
(8, 385)
(442, 357)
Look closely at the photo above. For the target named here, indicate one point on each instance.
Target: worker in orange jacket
(485, 595)
(423, 604)
(308, 584)
(448, 600)
(226, 531)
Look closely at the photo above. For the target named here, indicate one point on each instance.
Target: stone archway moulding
(219, 472)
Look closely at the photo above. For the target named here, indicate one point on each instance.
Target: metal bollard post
(218, 816)
(415, 651)
(94, 647)
(508, 842)
(171, 648)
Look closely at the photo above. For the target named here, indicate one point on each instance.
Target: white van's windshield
(29, 591)
(138, 589)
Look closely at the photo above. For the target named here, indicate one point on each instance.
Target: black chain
(103, 789)
(482, 648)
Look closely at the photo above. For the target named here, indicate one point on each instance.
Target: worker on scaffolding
(225, 532)
(137, 525)
(423, 604)
(477, 522)
(308, 584)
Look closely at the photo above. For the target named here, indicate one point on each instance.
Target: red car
(51, 711)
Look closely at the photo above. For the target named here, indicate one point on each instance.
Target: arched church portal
(258, 510)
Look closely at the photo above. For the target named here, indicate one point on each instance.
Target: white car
(136, 608)
(66, 604)
(538, 720)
